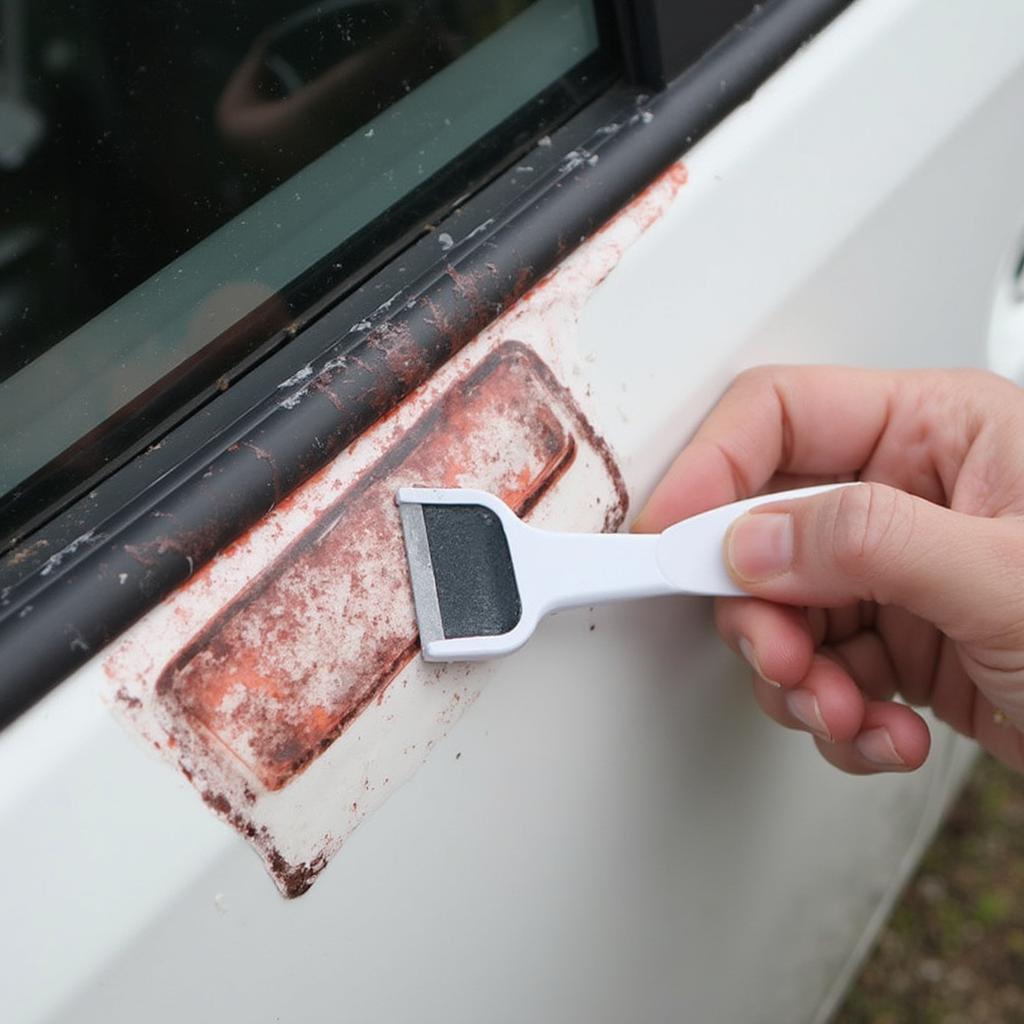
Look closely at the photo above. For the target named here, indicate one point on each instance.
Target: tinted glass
(172, 172)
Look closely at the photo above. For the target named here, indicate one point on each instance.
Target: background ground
(953, 952)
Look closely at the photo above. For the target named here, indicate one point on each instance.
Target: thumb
(870, 542)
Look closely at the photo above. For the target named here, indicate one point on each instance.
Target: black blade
(473, 571)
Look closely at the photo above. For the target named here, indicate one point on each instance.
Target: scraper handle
(690, 554)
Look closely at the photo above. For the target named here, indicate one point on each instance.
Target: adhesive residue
(282, 679)
(279, 673)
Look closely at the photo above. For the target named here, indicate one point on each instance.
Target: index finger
(813, 420)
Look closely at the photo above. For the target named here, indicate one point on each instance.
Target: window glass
(169, 169)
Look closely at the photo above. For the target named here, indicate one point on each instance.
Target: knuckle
(1005, 566)
(971, 395)
(966, 379)
(868, 528)
(975, 380)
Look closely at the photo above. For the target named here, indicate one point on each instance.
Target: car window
(178, 180)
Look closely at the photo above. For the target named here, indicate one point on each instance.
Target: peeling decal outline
(279, 673)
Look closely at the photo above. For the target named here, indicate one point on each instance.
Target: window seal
(219, 472)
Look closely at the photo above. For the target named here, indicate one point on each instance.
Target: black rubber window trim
(104, 563)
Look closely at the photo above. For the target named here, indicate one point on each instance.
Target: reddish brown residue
(641, 210)
(280, 672)
(127, 699)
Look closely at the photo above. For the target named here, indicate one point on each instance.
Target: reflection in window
(155, 123)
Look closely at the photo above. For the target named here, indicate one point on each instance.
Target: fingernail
(761, 545)
(747, 650)
(875, 745)
(803, 706)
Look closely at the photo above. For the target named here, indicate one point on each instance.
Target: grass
(953, 951)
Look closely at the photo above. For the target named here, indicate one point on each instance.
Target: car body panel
(611, 831)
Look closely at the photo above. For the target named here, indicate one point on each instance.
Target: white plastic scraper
(482, 579)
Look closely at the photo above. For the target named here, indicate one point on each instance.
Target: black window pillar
(664, 37)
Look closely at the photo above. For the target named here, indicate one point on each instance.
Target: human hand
(912, 584)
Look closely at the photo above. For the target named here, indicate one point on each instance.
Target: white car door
(252, 800)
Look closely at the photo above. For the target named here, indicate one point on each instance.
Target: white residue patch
(385, 305)
(292, 400)
(479, 229)
(296, 378)
(53, 562)
(576, 158)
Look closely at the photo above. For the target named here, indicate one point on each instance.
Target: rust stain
(279, 673)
